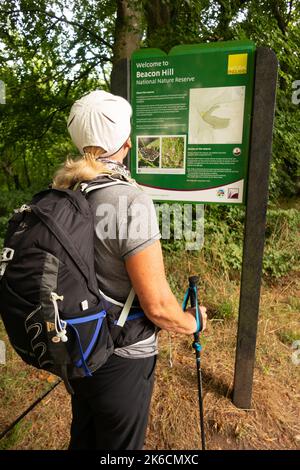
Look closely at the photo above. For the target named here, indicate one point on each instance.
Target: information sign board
(192, 120)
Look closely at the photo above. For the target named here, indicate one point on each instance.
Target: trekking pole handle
(193, 282)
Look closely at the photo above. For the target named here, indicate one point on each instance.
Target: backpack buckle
(24, 208)
(6, 256)
(83, 187)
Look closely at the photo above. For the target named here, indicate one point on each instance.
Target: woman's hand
(203, 314)
(147, 275)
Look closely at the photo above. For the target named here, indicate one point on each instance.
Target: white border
(197, 195)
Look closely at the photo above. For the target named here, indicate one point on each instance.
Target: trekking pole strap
(198, 316)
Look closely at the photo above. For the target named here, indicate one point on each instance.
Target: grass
(20, 385)
(15, 435)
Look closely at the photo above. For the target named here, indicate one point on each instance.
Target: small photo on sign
(233, 193)
(148, 152)
(164, 154)
(172, 152)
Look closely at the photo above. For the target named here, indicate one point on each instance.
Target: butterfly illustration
(149, 154)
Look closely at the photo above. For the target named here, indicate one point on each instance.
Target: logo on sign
(237, 64)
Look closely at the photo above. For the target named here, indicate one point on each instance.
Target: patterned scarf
(118, 168)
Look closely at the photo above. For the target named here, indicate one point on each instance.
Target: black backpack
(53, 312)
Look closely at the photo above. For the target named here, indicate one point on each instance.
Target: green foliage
(224, 237)
(3, 227)
(47, 60)
(8, 202)
(225, 310)
(12, 200)
(282, 251)
(224, 240)
(278, 263)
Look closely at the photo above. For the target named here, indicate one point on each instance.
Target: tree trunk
(160, 15)
(17, 181)
(278, 8)
(28, 181)
(128, 35)
(7, 174)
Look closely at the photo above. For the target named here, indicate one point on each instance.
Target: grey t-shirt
(125, 224)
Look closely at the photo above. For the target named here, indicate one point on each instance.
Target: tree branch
(62, 19)
(278, 17)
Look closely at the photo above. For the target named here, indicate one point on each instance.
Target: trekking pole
(192, 294)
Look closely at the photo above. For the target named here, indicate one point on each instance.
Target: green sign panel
(191, 121)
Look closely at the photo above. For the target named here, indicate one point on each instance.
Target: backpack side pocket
(89, 342)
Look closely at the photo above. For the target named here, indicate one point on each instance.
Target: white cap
(100, 119)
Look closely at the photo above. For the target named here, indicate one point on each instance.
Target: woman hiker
(110, 409)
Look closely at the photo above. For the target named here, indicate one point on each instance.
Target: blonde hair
(85, 168)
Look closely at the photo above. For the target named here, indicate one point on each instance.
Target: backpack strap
(126, 309)
(110, 299)
(86, 188)
(93, 185)
(65, 241)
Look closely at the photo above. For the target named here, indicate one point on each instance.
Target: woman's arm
(147, 275)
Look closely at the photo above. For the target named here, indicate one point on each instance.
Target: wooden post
(254, 238)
